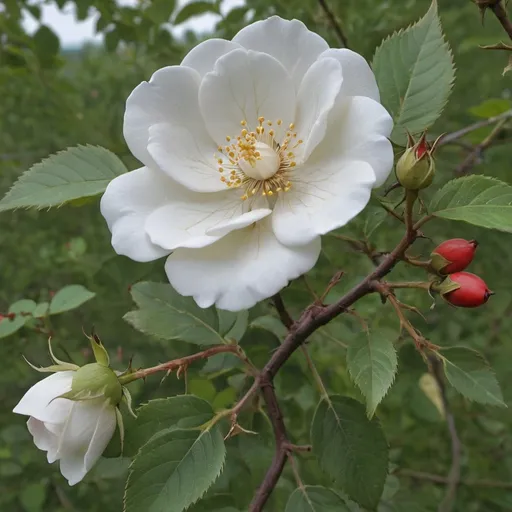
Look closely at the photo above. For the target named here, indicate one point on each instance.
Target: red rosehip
(453, 255)
(472, 291)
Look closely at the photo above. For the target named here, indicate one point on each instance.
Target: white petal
(320, 200)
(223, 228)
(202, 58)
(241, 269)
(36, 400)
(245, 85)
(44, 439)
(85, 433)
(126, 204)
(317, 95)
(358, 129)
(358, 78)
(290, 42)
(185, 220)
(176, 151)
(171, 96)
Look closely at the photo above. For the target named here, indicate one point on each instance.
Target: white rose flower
(252, 149)
(74, 432)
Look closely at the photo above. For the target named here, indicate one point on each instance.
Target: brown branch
(453, 478)
(501, 14)
(284, 316)
(443, 480)
(314, 317)
(335, 24)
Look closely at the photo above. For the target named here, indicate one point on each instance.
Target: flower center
(260, 161)
(263, 166)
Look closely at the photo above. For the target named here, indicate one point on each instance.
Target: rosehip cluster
(461, 289)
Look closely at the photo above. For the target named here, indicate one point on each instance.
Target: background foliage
(53, 98)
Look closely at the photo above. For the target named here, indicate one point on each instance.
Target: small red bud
(453, 255)
(472, 291)
(2, 317)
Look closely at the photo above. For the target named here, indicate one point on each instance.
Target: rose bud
(453, 255)
(416, 168)
(464, 290)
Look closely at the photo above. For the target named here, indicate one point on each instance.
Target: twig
(478, 150)
(451, 137)
(183, 362)
(335, 24)
(285, 317)
(443, 480)
(500, 12)
(453, 478)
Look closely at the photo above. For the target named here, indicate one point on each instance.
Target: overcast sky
(73, 32)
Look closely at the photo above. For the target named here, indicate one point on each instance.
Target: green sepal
(93, 381)
(58, 361)
(127, 397)
(64, 367)
(120, 425)
(446, 286)
(99, 350)
(438, 262)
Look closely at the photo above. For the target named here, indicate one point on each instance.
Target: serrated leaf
(470, 374)
(315, 498)
(172, 471)
(372, 363)
(82, 171)
(68, 298)
(195, 9)
(478, 200)
(177, 412)
(351, 448)
(167, 315)
(23, 310)
(414, 71)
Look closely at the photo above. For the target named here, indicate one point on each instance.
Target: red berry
(453, 255)
(473, 291)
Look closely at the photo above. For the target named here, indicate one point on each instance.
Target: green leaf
(195, 9)
(41, 310)
(172, 471)
(33, 496)
(82, 171)
(372, 363)
(177, 412)
(70, 297)
(46, 43)
(167, 315)
(414, 71)
(23, 310)
(159, 11)
(314, 498)
(470, 374)
(351, 448)
(478, 200)
(491, 107)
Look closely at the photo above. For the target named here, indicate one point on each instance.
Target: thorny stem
(183, 362)
(335, 24)
(500, 12)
